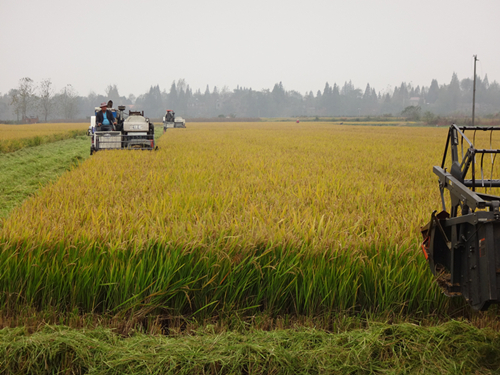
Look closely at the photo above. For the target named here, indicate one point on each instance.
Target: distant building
(30, 120)
(415, 100)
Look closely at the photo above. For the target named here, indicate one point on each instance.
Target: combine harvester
(462, 245)
(170, 121)
(132, 132)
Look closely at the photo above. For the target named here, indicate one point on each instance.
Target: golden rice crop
(33, 130)
(283, 217)
(14, 137)
(315, 185)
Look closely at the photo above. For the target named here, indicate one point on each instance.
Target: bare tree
(46, 101)
(67, 101)
(112, 93)
(24, 97)
(14, 102)
(4, 107)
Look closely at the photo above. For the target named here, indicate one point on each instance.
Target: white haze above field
(304, 44)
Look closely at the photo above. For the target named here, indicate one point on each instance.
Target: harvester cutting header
(462, 242)
(113, 129)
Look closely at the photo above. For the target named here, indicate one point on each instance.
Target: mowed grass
(452, 348)
(16, 137)
(281, 218)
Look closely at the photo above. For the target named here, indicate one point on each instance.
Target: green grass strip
(23, 172)
(451, 348)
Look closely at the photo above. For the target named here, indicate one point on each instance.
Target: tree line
(454, 98)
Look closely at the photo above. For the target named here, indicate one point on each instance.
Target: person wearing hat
(104, 119)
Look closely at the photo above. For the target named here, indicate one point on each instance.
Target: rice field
(234, 218)
(325, 186)
(15, 137)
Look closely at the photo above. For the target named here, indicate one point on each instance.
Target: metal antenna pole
(474, 91)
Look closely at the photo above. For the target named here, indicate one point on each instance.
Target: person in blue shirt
(104, 119)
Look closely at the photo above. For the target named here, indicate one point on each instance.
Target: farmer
(105, 119)
(170, 116)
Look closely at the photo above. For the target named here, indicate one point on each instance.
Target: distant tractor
(131, 132)
(170, 121)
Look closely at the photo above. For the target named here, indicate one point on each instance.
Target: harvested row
(454, 347)
(15, 137)
(301, 219)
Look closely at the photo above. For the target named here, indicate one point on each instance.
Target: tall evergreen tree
(433, 93)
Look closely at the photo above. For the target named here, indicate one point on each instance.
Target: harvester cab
(170, 121)
(462, 243)
(131, 132)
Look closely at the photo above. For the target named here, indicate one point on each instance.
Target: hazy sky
(255, 43)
